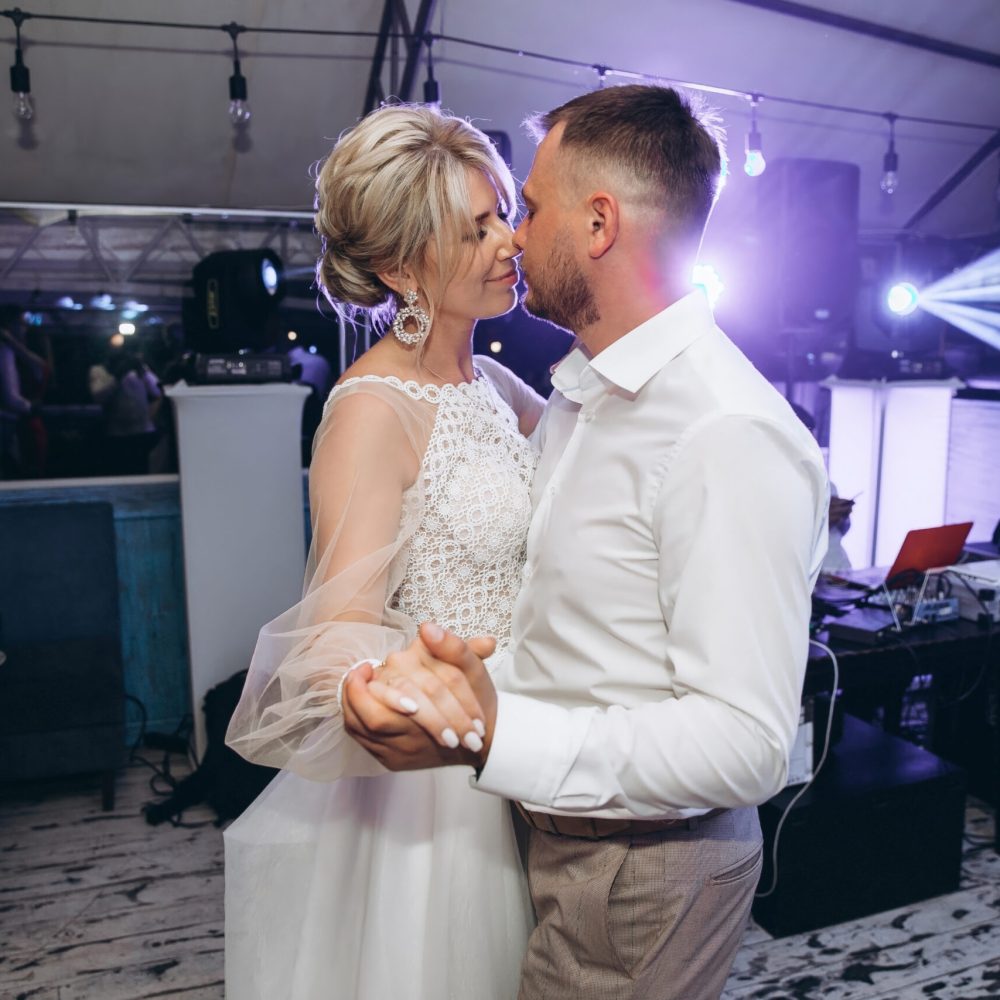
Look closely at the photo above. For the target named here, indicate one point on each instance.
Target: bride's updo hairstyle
(393, 188)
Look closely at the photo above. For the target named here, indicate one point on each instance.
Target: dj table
(963, 660)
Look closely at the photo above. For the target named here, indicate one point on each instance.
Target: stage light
(239, 110)
(235, 294)
(496, 346)
(705, 277)
(890, 162)
(903, 298)
(755, 164)
(292, 335)
(117, 340)
(269, 276)
(126, 329)
(20, 78)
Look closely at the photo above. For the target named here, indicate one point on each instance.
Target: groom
(651, 690)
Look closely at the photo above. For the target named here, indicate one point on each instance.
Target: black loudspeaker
(808, 225)
(235, 292)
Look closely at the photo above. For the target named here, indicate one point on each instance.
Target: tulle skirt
(399, 887)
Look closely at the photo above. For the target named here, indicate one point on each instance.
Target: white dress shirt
(660, 638)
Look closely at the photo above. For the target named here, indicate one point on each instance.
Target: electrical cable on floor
(822, 760)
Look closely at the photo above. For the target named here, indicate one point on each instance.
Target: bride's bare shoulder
(378, 360)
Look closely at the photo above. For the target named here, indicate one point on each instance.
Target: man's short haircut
(667, 147)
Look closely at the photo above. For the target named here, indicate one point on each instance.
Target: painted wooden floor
(102, 906)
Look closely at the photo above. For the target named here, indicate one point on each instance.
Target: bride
(343, 880)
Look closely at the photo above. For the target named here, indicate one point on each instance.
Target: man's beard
(561, 294)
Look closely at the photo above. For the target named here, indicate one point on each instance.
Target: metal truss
(141, 252)
(395, 28)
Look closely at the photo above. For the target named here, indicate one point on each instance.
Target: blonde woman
(345, 881)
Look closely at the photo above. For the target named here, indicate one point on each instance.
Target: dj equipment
(976, 587)
(240, 368)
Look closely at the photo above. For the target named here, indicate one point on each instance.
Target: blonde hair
(394, 186)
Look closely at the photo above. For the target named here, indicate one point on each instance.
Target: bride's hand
(436, 695)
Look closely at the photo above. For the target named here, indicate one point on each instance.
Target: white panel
(974, 466)
(854, 453)
(242, 517)
(914, 462)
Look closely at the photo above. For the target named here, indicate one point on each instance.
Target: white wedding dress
(343, 881)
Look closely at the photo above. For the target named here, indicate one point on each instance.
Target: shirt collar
(567, 373)
(634, 359)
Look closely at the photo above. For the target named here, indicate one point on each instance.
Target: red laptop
(930, 548)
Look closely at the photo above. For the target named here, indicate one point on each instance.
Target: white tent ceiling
(136, 115)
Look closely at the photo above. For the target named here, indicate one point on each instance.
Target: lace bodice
(463, 564)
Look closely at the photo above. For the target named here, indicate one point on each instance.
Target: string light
(20, 78)
(432, 92)
(238, 81)
(239, 110)
(890, 162)
(755, 164)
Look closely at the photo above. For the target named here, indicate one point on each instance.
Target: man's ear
(604, 220)
(399, 280)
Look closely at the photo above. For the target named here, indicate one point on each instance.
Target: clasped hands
(432, 704)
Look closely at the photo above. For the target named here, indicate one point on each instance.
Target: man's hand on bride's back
(431, 705)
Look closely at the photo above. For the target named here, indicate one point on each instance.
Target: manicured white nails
(450, 738)
(473, 742)
(479, 726)
(408, 705)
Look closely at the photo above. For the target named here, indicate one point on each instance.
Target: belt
(598, 827)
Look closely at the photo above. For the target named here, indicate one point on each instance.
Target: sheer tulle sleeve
(518, 395)
(366, 500)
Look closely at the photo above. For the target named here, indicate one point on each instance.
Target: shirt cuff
(530, 753)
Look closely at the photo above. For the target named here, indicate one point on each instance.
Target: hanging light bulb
(754, 164)
(239, 110)
(890, 162)
(432, 92)
(20, 78)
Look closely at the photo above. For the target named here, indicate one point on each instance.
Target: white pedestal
(889, 443)
(242, 521)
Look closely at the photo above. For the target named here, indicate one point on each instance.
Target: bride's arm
(366, 459)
